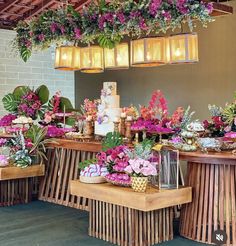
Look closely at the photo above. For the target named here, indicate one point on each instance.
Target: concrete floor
(45, 224)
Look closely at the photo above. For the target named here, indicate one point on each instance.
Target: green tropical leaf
(19, 91)
(65, 104)
(25, 53)
(10, 103)
(70, 121)
(43, 93)
(112, 140)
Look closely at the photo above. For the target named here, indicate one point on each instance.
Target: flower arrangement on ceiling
(107, 23)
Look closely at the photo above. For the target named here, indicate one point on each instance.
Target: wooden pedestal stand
(213, 178)
(130, 218)
(16, 184)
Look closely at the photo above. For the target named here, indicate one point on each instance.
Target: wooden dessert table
(124, 217)
(213, 179)
(16, 184)
(62, 166)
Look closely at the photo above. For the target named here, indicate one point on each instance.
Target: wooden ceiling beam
(39, 8)
(220, 9)
(78, 6)
(24, 6)
(7, 5)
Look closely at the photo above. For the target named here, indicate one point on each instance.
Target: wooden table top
(224, 157)
(75, 145)
(12, 172)
(152, 199)
(198, 156)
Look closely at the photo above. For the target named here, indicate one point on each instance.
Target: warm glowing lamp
(183, 48)
(91, 59)
(118, 57)
(67, 58)
(148, 52)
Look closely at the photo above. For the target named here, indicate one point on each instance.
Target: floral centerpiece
(116, 161)
(217, 125)
(24, 101)
(29, 148)
(90, 109)
(141, 165)
(28, 106)
(155, 118)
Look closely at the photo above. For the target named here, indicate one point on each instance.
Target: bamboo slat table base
(62, 166)
(214, 202)
(129, 227)
(17, 191)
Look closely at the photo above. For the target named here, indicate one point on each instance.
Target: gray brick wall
(38, 70)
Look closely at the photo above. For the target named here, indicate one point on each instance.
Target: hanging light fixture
(67, 58)
(91, 59)
(148, 52)
(118, 57)
(183, 48)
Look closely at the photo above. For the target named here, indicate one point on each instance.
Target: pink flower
(121, 17)
(77, 33)
(141, 167)
(154, 6)
(3, 160)
(41, 37)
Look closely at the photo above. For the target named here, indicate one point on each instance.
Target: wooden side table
(127, 218)
(16, 184)
(213, 178)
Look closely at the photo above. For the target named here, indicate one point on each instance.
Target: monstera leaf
(10, 103)
(43, 93)
(19, 91)
(65, 104)
(25, 53)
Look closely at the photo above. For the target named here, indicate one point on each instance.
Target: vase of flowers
(139, 170)
(139, 184)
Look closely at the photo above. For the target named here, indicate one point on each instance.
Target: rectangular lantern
(183, 48)
(67, 58)
(91, 59)
(148, 52)
(169, 169)
(118, 57)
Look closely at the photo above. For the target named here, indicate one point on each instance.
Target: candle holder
(89, 128)
(116, 126)
(122, 126)
(128, 133)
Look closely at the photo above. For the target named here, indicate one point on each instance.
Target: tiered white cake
(109, 110)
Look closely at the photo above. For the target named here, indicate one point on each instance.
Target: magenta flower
(41, 37)
(209, 7)
(142, 24)
(77, 33)
(7, 120)
(53, 27)
(3, 141)
(154, 6)
(121, 17)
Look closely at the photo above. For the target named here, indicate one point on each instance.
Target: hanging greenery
(107, 23)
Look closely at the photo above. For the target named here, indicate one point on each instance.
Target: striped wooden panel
(62, 166)
(17, 191)
(214, 202)
(129, 227)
